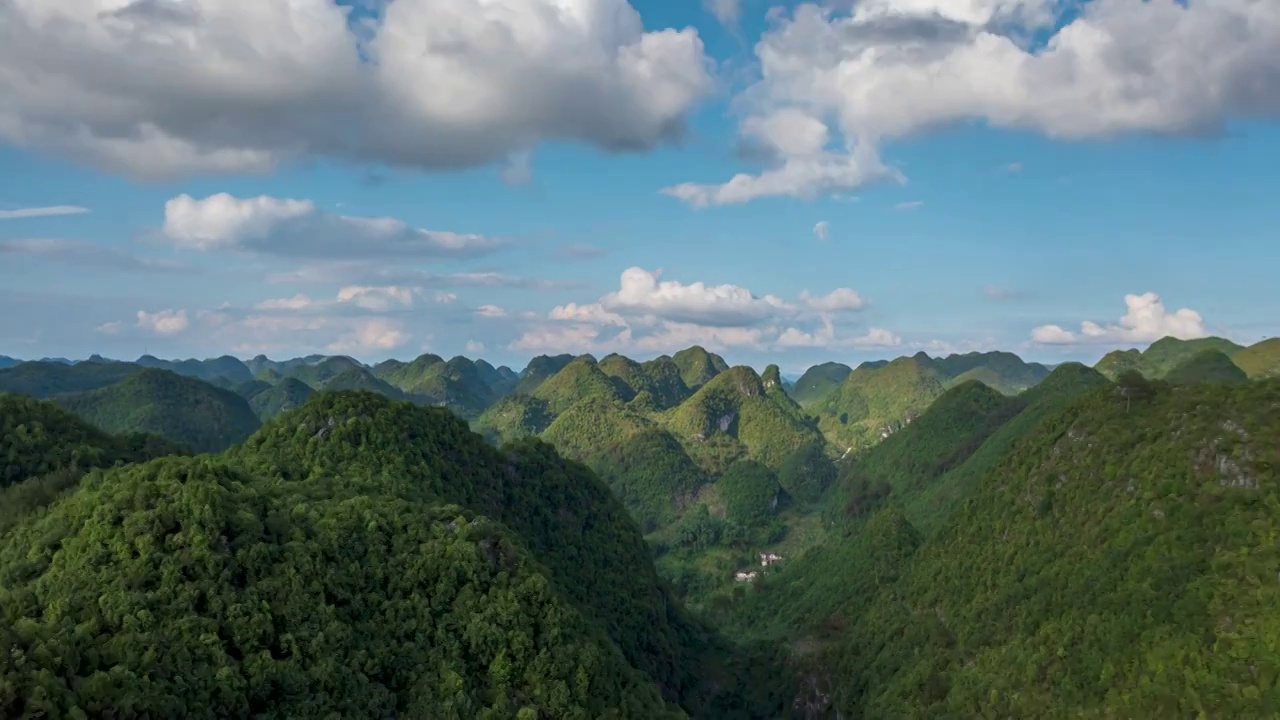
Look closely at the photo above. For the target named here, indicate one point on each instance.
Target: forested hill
(1117, 561)
(356, 557)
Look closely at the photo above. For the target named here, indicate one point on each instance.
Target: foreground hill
(1113, 563)
(184, 410)
(357, 556)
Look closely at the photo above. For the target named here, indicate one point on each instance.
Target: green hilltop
(818, 382)
(1261, 360)
(181, 409)
(1206, 366)
(697, 366)
(1161, 357)
(876, 401)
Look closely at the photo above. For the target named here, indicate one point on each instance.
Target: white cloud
(838, 300)
(474, 347)
(891, 69)
(163, 322)
(1146, 320)
(1014, 167)
(110, 328)
(909, 205)
(377, 298)
(157, 89)
(641, 293)
(39, 212)
(348, 272)
(370, 335)
(826, 337)
(490, 311)
(301, 229)
(446, 298)
(648, 315)
(822, 230)
(998, 292)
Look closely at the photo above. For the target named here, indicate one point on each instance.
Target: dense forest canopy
(962, 536)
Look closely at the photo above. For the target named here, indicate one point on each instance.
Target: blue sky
(964, 206)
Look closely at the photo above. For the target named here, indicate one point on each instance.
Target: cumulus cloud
(1146, 320)
(39, 212)
(838, 300)
(827, 337)
(363, 297)
(879, 70)
(370, 335)
(648, 314)
(822, 230)
(163, 322)
(642, 293)
(158, 89)
(298, 228)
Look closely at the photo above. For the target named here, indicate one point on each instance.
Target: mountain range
(969, 535)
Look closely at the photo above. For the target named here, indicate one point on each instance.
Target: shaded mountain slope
(818, 382)
(877, 400)
(189, 412)
(44, 378)
(1206, 366)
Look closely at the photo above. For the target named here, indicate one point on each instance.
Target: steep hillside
(457, 384)
(566, 516)
(697, 366)
(8, 362)
(44, 378)
(500, 380)
(876, 401)
(644, 466)
(1261, 360)
(513, 417)
(1098, 572)
(1158, 360)
(343, 603)
(580, 380)
(660, 379)
(285, 395)
(538, 370)
(732, 416)
(320, 374)
(818, 382)
(189, 412)
(1206, 366)
(45, 451)
(38, 438)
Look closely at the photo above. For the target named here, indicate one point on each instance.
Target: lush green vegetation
(514, 417)
(227, 369)
(876, 401)
(818, 382)
(732, 417)
(45, 378)
(697, 366)
(184, 410)
(1261, 360)
(579, 380)
(641, 462)
(1206, 366)
(1158, 360)
(969, 536)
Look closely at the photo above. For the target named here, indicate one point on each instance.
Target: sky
(790, 183)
